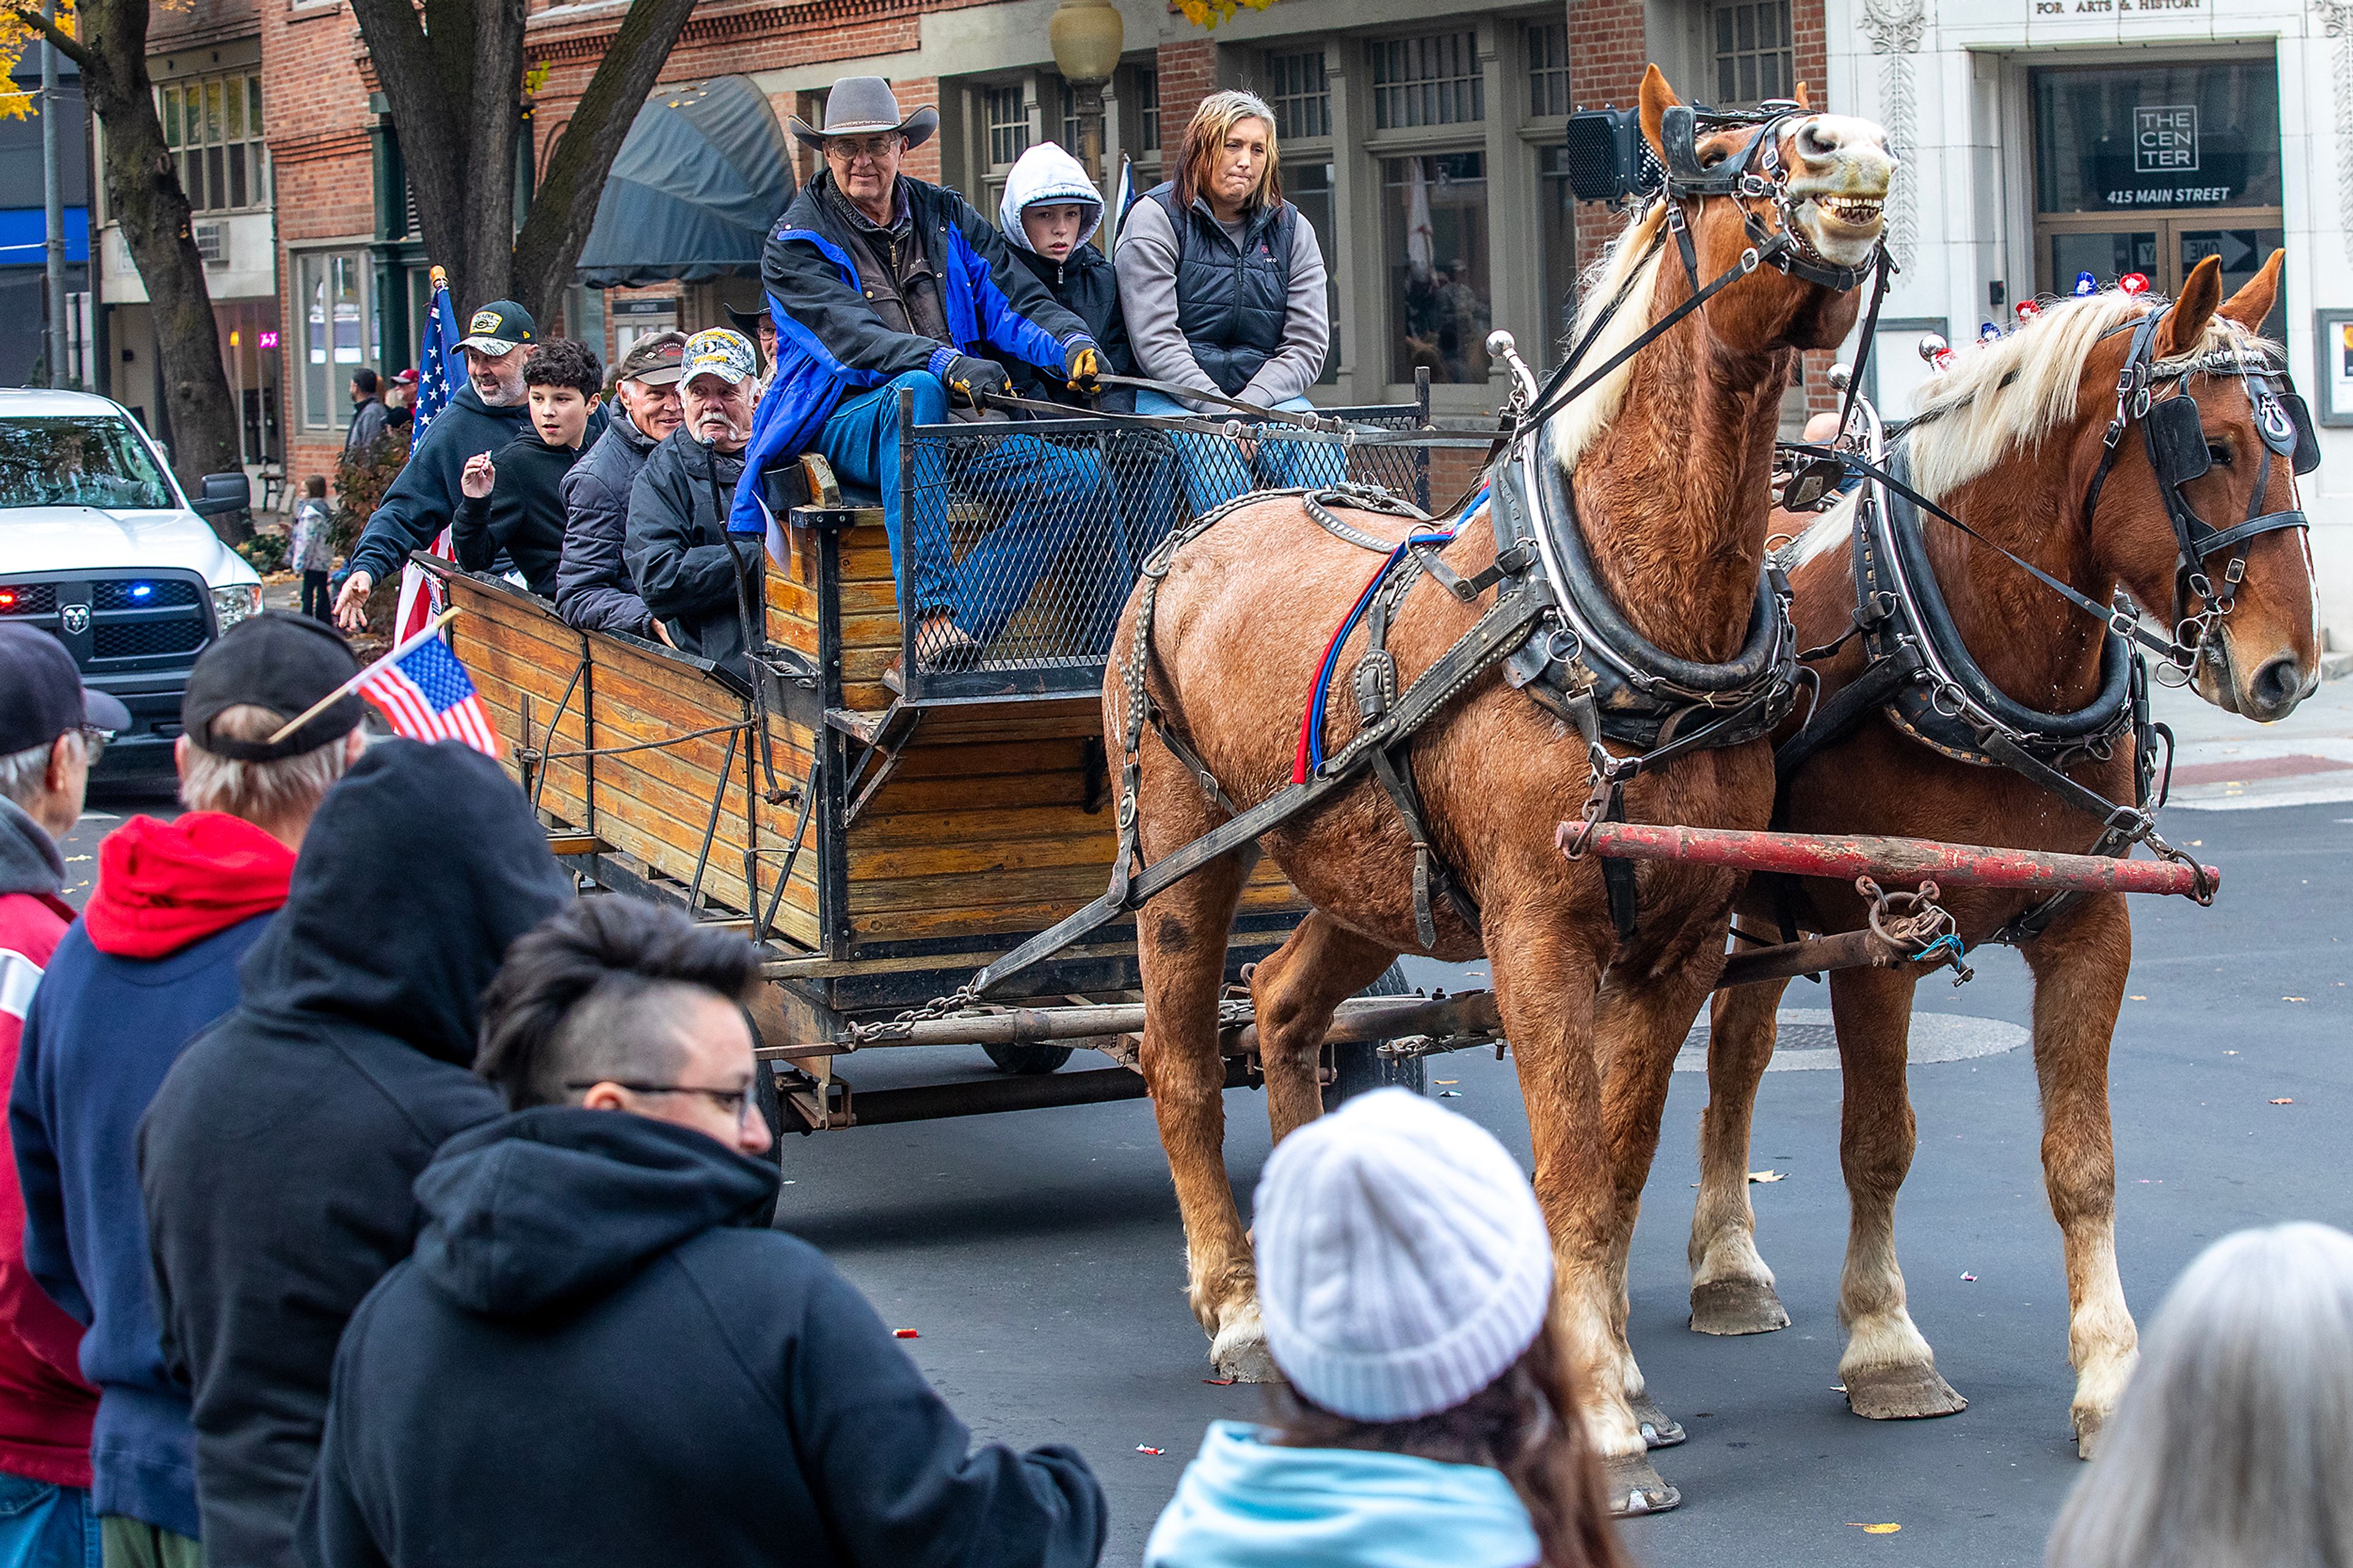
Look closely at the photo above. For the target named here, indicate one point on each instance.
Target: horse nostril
(2276, 685)
(1815, 141)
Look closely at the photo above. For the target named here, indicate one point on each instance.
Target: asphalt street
(1038, 1255)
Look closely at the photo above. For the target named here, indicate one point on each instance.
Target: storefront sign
(2165, 140)
(2112, 8)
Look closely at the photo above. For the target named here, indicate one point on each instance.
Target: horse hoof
(1902, 1393)
(1659, 1430)
(2087, 1436)
(1239, 1350)
(1636, 1487)
(1737, 1307)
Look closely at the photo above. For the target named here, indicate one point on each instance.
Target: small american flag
(428, 695)
(437, 357)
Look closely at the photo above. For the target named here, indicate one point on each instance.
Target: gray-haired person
(2233, 1444)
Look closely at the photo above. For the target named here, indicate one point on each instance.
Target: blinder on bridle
(2174, 435)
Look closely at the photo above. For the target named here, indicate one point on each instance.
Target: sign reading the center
(2165, 138)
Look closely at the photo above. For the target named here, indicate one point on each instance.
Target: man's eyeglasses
(849, 149)
(93, 742)
(735, 1102)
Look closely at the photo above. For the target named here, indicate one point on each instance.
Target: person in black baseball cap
(43, 702)
(266, 671)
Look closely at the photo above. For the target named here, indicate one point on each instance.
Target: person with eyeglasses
(883, 283)
(596, 1299)
(51, 728)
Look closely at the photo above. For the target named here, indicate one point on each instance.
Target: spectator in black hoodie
(277, 1160)
(596, 1301)
(513, 509)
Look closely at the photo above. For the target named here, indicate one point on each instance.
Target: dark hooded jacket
(594, 590)
(679, 551)
(598, 1308)
(277, 1160)
(424, 495)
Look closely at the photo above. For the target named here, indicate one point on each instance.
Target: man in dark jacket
(153, 961)
(596, 1299)
(594, 590)
(277, 1158)
(369, 414)
(513, 509)
(686, 568)
(483, 415)
(881, 283)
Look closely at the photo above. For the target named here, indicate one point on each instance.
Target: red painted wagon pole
(1890, 860)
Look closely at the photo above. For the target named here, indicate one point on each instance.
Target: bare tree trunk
(565, 207)
(143, 186)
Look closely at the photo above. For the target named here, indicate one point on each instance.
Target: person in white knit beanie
(1405, 1276)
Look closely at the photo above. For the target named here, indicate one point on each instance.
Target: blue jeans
(1216, 470)
(1043, 494)
(44, 1525)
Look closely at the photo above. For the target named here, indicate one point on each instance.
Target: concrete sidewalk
(2226, 763)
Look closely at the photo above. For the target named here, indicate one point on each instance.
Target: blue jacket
(1244, 1502)
(103, 1032)
(830, 343)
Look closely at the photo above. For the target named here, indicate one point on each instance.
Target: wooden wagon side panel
(514, 647)
(869, 597)
(981, 836)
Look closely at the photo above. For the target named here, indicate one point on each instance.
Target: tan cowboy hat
(863, 105)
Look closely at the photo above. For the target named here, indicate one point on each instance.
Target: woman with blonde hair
(1222, 285)
(1406, 1280)
(2233, 1447)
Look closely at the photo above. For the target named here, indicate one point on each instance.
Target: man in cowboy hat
(897, 283)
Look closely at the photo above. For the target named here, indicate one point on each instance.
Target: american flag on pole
(428, 695)
(437, 360)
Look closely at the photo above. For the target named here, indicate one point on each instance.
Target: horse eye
(2218, 454)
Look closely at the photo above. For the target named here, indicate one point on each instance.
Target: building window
(1307, 185)
(1147, 105)
(1299, 94)
(1753, 52)
(212, 129)
(1441, 303)
(1009, 125)
(1429, 81)
(1556, 252)
(330, 305)
(1547, 70)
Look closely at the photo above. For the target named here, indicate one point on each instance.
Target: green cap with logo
(498, 328)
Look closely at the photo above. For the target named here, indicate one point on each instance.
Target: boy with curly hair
(511, 521)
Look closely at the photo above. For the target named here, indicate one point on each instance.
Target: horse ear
(1803, 101)
(1656, 99)
(2192, 309)
(2255, 300)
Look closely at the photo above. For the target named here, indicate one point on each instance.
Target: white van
(101, 548)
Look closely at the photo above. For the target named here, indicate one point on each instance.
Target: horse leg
(1181, 948)
(1546, 983)
(1732, 1290)
(2079, 968)
(1293, 992)
(1641, 1026)
(1888, 1369)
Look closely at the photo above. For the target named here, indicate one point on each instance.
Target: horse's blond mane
(2003, 396)
(1576, 426)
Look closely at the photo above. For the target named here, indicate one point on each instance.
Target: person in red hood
(51, 730)
(151, 964)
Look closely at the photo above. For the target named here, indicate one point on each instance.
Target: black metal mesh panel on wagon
(1020, 542)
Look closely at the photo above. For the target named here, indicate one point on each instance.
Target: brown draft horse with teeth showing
(1669, 461)
(2014, 437)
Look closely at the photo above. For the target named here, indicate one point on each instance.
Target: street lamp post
(1086, 35)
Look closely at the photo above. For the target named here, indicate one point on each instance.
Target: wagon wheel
(1359, 1067)
(1031, 1059)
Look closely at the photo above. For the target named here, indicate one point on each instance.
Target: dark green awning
(704, 173)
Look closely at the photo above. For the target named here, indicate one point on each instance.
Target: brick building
(1390, 119)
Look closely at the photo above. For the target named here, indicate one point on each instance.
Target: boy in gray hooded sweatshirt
(1049, 215)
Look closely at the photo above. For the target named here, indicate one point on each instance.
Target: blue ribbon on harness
(1340, 639)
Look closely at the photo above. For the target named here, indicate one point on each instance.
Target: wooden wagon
(880, 829)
